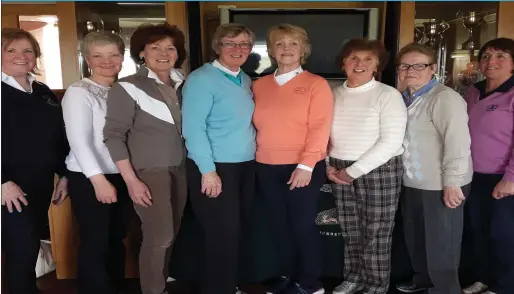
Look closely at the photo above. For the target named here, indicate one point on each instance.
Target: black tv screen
(328, 31)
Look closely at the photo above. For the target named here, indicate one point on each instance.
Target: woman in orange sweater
(293, 115)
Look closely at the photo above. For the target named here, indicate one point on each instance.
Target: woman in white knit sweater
(366, 166)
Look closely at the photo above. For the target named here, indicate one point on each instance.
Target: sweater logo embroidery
(491, 107)
(50, 101)
(300, 90)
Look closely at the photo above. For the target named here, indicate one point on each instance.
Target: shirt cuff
(354, 172)
(307, 168)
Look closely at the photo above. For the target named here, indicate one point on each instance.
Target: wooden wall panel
(407, 12)
(176, 14)
(9, 20)
(26, 8)
(68, 42)
(506, 19)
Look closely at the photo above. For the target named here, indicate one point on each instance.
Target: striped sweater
(368, 126)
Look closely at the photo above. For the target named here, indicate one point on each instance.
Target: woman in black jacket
(34, 147)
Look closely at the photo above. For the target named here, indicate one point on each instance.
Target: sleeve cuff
(508, 177)
(95, 172)
(452, 181)
(307, 168)
(117, 150)
(354, 172)
(206, 167)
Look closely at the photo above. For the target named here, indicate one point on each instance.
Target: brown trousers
(160, 224)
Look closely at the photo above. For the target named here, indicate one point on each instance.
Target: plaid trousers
(366, 210)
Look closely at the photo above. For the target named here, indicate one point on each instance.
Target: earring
(142, 61)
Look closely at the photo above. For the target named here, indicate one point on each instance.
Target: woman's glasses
(232, 45)
(416, 67)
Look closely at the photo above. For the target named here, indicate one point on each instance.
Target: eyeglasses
(416, 67)
(232, 45)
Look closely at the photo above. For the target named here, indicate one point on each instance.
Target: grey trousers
(160, 223)
(433, 233)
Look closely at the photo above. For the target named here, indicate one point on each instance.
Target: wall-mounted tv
(328, 31)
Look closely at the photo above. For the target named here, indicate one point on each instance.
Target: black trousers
(102, 228)
(223, 219)
(491, 223)
(433, 234)
(293, 214)
(22, 231)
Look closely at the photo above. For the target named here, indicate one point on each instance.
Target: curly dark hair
(374, 46)
(148, 33)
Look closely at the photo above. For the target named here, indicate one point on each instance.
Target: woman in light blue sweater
(220, 139)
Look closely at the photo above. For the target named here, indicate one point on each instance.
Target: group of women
(143, 143)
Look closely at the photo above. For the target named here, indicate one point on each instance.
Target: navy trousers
(293, 214)
(491, 223)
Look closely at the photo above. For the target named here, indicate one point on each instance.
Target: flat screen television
(328, 31)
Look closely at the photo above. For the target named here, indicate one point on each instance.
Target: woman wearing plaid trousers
(366, 167)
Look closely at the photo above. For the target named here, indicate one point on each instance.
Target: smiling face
(234, 51)
(18, 58)
(360, 66)
(160, 56)
(287, 51)
(105, 60)
(496, 64)
(412, 78)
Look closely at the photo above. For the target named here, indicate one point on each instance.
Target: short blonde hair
(291, 30)
(102, 38)
(230, 30)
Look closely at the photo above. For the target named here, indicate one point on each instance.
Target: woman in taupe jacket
(143, 135)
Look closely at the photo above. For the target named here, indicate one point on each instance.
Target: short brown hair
(12, 34)
(103, 38)
(420, 48)
(292, 30)
(148, 33)
(230, 30)
(503, 44)
(374, 46)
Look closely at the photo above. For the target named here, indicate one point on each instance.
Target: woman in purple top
(491, 202)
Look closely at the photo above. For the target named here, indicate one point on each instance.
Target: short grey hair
(102, 38)
(230, 30)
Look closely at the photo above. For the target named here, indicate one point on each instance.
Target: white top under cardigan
(368, 126)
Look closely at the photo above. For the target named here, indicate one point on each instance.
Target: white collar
(284, 78)
(218, 65)
(9, 80)
(175, 75)
(368, 85)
